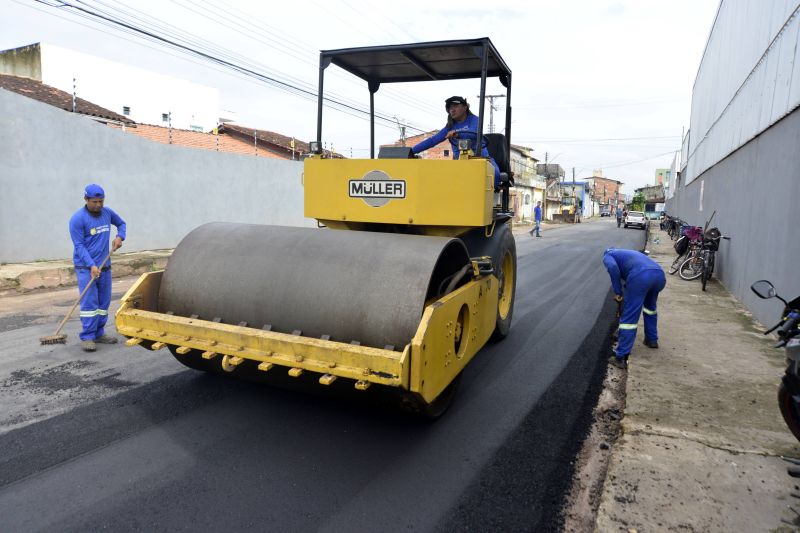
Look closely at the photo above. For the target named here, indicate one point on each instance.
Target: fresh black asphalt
(191, 451)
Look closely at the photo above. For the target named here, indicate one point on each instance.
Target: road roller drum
(362, 287)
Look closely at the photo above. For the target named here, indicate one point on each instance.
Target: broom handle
(66, 317)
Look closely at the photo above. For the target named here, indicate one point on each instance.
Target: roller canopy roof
(440, 60)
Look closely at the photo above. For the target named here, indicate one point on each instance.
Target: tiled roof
(55, 97)
(270, 137)
(279, 143)
(198, 139)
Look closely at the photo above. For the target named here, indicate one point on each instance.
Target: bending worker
(461, 124)
(643, 279)
(90, 228)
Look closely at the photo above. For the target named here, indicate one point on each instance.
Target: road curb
(20, 278)
(701, 435)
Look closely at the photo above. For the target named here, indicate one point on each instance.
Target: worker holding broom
(90, 228)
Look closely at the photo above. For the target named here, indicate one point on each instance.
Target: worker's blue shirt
(624, 264)
(537, 214)
(467, 129)
(90, 235)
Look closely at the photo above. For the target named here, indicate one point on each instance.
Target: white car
(636, 218)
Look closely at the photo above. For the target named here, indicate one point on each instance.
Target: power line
(587, 105)
(205, 46)
(631, 162)
(260, 32)
(160, 50)
(208, 55)
(609, 139)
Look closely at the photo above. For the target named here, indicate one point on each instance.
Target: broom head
(54, 339)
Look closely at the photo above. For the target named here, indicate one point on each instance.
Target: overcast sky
(596, 84)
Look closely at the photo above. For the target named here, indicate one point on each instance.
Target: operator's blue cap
(94, 191)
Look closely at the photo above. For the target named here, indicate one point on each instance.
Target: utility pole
(402, 128)
(491, 98)
(544, 196)
(561, 193)
(574, 198)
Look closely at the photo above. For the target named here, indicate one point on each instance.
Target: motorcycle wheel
(708, 268)
(789, 410)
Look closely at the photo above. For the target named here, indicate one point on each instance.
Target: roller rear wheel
(506, 272)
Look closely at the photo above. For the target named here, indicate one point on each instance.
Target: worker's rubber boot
(619, 362)
(106, 339)
(88, 346)
(651, 344)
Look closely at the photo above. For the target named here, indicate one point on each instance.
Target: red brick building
(606, 192)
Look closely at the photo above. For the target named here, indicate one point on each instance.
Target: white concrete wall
(114, 85)
(754, 193)
(48, 155)
(749, 78)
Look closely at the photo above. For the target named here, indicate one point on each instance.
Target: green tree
(637, 204)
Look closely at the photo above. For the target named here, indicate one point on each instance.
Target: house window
(447, 153)
(126, 110)
(164, 117)
(527, 199)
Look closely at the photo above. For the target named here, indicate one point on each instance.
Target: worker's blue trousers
(641, 292)
(94, 304)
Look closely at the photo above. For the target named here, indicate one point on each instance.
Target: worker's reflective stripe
(102, 312)
(95, 312)
(648, 311)
(627, 326)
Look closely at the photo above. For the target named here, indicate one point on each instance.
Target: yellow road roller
(411, 272)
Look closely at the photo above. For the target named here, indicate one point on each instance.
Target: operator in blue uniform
(90, 228)
(643, 279)
(461, 124)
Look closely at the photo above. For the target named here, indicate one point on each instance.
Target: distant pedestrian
(90, 228)
(619, 216)
(643, 279)
(537, 219)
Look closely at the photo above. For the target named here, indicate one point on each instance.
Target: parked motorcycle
(789, 339)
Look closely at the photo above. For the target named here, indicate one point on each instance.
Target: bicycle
(686, 246)
(710, 246)
(701, 260)
(671, 225)
(692, 266)
(682, 256)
